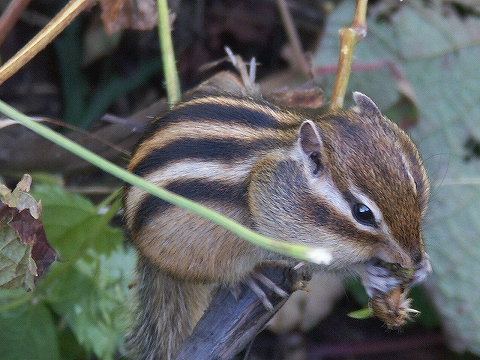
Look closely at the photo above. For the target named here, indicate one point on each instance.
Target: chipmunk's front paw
(275, 278)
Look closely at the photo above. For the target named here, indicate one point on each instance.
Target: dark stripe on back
(196, 190)
(225, 150)
(222, 113)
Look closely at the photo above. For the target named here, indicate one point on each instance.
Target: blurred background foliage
(427, 56)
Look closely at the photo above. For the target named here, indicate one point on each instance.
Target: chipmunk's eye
(363, 214)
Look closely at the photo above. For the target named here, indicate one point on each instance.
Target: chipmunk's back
(204, 150)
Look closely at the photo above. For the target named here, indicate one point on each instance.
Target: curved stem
(349, 36)
(316, 255)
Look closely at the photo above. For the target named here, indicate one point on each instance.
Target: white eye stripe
(327, 191)
(409, 173)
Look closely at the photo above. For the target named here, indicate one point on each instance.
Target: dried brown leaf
(128, 14)
(305, 98)
(17, 267)
(24, 250)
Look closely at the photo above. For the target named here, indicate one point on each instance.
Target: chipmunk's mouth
(380, 277)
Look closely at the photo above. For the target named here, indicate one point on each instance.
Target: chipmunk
(350, 181)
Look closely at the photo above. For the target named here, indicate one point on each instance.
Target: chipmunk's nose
(417, 257)
(422, 269)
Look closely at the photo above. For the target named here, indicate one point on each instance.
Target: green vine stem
(316, 255)
(174, 93)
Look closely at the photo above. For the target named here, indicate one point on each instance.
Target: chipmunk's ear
(366, 105)
(311, 145)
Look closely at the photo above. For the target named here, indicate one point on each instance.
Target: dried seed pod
(393, 308)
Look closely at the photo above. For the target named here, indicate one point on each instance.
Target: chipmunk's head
(353, 183)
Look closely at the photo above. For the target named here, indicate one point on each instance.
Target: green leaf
(92, 297)
(74, 83)
(90, 288)
(72, 223)
(28, 332)
(446, 84)
(69, 346)
(361, 314)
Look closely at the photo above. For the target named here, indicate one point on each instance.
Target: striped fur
(282, 173)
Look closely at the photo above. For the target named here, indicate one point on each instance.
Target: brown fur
(289, 176)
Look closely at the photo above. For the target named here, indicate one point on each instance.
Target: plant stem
(316, 255)
(293, 38)
(10, 16)
(43, 38)
(349, 36)
(174, 93)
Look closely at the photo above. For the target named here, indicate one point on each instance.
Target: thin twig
(293, 38)
(43, 38)
(349, 36)
(10, 17)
